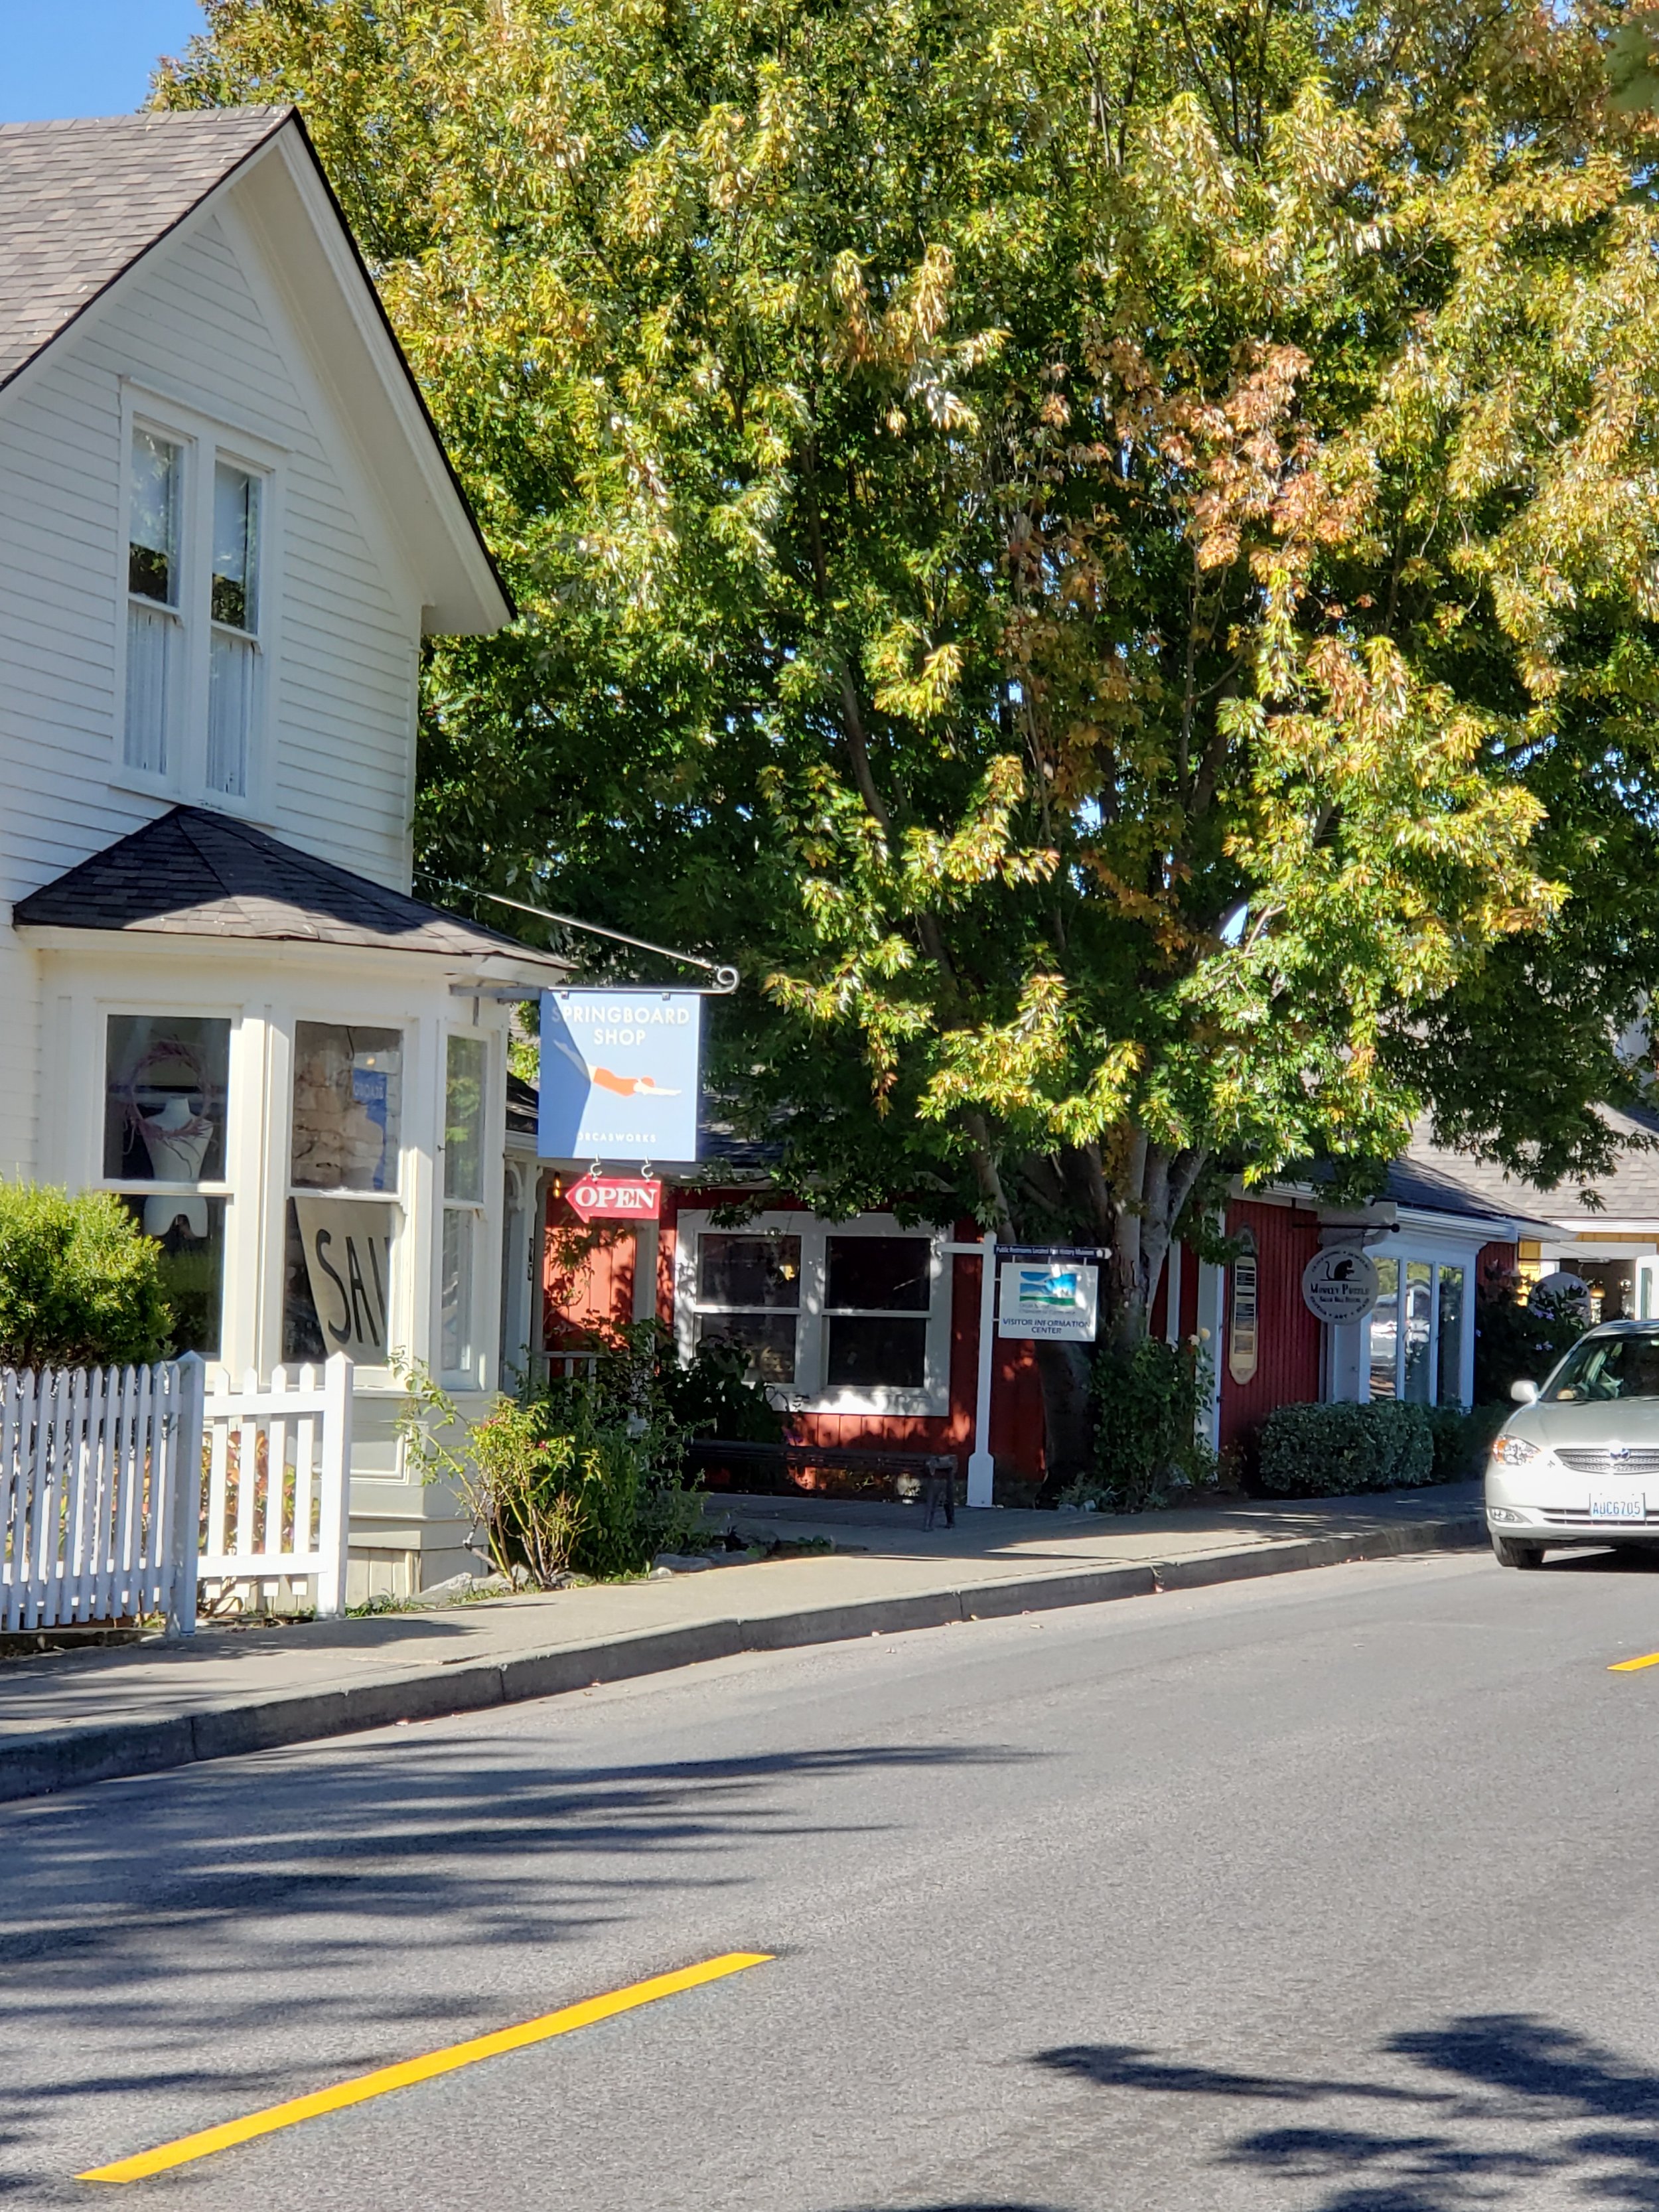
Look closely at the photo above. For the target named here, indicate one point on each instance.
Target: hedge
(1326, 1451)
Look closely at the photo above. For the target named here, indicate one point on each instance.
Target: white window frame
(1348, 1347)
(400, 1198)
(474, 1375)
(229, 1188)
(808, 1394)
(203, 442)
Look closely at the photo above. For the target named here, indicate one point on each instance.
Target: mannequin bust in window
(177, 1141)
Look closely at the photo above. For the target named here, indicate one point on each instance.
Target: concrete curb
(66, 1758)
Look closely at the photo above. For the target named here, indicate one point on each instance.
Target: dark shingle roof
(1629, 1192)
(81, 201)
(191, 873)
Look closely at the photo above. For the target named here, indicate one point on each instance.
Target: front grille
(1604, 1462)
(1577, 1517)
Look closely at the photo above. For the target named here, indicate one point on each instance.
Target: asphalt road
(1330, 1893)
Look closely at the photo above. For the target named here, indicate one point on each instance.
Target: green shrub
(712, 1396)
(1326, 1451)
(80, 1284)
(1147, 1407)
(1514, 1341)
(1461, 1440)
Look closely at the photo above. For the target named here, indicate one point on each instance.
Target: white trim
(808, 1393)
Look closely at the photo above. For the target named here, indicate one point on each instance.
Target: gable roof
(82, 203)
(194, 873)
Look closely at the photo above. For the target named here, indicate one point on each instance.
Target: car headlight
(1514, 1451)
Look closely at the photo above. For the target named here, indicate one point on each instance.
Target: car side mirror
(1524, 1392)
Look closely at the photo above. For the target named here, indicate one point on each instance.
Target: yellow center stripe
(364, 2085)
(1630, 1666)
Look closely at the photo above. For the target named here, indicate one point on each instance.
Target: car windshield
(1605, 1367)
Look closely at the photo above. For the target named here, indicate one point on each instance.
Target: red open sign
(616, 1197)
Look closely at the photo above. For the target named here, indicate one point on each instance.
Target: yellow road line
(364, 2085)
(1630, 1666)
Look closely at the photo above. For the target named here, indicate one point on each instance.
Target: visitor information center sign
(1057, 1300)
(619, 1075)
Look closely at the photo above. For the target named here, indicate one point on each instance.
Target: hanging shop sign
(1057, 1300)
(614, 1198)
(619, 1074)
(1341, 1283)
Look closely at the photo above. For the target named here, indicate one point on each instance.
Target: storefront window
(874, 1287)
(166, 1095)
(1385, 1330)
(347, 1124)
(1419, 1330)
(749, 1294)
(348, 1106)
(464, 1105)
(1450, 1389)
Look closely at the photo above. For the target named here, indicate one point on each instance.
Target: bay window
(1416, 1332)
(464, 1070)
(166, 1099)
(343, 1218)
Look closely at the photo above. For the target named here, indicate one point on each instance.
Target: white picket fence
(92, 1466)
(278, 1484)
(122, 1489)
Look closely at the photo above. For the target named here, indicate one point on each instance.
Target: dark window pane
(164, 1099)
(191, 1232)
(877, 1354)
(348, 1100)
(767, 1338)
(888, 1274)
(1385, 1325)
(748, 1271)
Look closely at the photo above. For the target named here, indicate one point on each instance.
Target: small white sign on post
(1059, 1300)
(1341, 1283)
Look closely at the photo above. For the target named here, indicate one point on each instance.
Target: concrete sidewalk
(68, 1718)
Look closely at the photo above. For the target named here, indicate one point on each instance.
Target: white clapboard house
(226, 523)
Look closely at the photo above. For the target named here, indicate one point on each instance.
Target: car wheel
(1508, 1553)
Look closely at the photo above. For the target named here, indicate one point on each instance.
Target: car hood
(1615, 1421)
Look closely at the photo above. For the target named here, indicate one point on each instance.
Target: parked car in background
(1579, 1462)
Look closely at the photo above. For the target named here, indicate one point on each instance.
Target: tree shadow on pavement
(230, 1935)
(1483, 2111)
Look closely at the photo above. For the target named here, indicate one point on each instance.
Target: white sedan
(1579, 1464)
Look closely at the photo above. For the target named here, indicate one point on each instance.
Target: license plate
(1621, 1506)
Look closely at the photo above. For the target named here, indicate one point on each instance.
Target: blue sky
(61, 58)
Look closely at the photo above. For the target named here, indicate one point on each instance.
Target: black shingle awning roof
(192, 873)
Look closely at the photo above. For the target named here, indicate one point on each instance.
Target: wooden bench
(935, 1471)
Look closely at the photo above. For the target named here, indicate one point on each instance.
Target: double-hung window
(464, 1072)
(196, 646)
(155, 624)
(233, 650)
(845, 1317)
(343, 1215)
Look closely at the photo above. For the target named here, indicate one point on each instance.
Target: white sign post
(1341, 1283)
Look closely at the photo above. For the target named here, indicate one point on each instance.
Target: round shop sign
(1340, 1284)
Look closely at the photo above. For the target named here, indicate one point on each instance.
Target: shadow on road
(1484, 2111)
(231, 1933)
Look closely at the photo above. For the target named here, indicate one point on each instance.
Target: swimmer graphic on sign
(619, 1075)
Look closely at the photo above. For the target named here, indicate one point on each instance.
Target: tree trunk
(1064, 1370)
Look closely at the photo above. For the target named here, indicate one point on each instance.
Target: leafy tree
(1107, 549)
